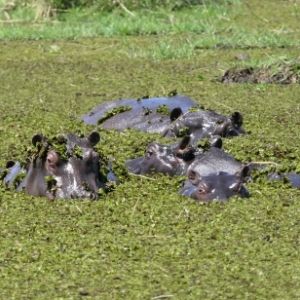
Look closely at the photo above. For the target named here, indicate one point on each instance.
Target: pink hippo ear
(94, 138)
(38, 138)
(52, 162)
(175, 113)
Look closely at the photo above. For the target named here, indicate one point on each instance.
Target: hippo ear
(10, 164)
(38, 138)
(184, 150)
(244, 172)
(189, 155)
(175, 113)
(237, 119)
(94, 138)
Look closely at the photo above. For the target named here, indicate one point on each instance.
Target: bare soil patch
(282, 74)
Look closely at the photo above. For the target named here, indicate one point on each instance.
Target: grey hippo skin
(71, 172)
(176, 119)
(212, 174)
(168, 159)
(215, 175)
(149, 114)
(205, 123)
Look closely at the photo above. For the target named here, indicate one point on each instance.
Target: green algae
(163, 109)
(142, 240)
(113, 112)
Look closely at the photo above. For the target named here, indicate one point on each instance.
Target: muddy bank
(282, 74)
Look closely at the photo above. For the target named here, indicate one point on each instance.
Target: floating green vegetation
(77, 151)
(196, 108)
(143, 240)
(163, 109)
(183, 131)
(204, 144)
(113, 112)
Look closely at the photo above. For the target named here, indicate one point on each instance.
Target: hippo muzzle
(64, 168)
(219, 187)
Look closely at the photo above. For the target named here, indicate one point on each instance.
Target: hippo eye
(192, 175)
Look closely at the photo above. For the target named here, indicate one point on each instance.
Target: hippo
(168, 159)
(173, 116)
(215, 186)
(64, 167)
(152, 115)
(215, 175)
(205, 123)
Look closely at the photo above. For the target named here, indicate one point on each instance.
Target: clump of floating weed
(204, 144)
(163, 109)
(19, 178)
(183, 131)
(113, 112)
(77, 151)
(59, 145)
(196, 108)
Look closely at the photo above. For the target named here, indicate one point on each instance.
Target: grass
(180, 34)
(90, 23)
(143, 240)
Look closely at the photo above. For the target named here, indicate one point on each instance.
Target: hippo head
(230, 126)
(203, 123)
(65, 167)
(216, 186)
(167, 159)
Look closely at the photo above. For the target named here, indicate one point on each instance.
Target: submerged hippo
(65, 167)
(168, 159)
(206, 123)
(212, 173)
(147, 114)
(215, 186)
(215, 175)
(173, 116)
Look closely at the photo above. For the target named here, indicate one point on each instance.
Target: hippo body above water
(170, 116)
(205, 123)
(215, 175)
(147, 114)
(71, 172)
(216, 186)
(212, 174)
(168, 159)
